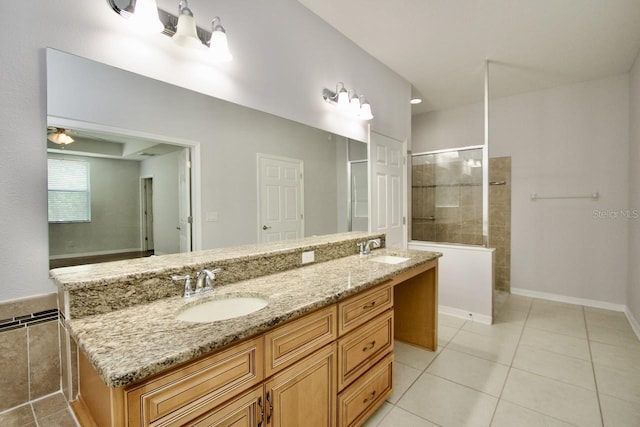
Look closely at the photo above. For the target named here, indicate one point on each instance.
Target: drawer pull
(270, 407)
(370, 398)
(261, 414)
(369, 306)
(369, 346)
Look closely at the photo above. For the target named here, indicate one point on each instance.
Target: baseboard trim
(569, 300)
(464, 314)
(88, 254)
(633, 322)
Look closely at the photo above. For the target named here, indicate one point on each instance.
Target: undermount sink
(222, 308)
(389, 259)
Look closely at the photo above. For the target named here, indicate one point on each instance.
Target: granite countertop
(131, 344)
(89, 275)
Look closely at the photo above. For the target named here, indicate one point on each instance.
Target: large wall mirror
(167, 170)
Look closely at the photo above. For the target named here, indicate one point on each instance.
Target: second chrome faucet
(204, 281)
(365, 247)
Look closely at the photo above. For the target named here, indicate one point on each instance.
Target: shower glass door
(447, 196)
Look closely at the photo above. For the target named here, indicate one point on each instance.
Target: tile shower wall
(447, 208)
(500, 219)
(29, 350)
(447, 203)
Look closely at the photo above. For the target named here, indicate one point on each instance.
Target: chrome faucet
(188, 290)
(365, 248)
(203, 282)
(204, 279)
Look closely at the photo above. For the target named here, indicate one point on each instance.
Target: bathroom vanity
(320, 353)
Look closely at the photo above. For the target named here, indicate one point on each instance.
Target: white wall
(164, 171)
(115, 211)
(283, 57)
(633, 287)
(465, 280)
(570, 140)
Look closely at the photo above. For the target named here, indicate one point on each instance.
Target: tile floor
(50, 411)
(542, 363)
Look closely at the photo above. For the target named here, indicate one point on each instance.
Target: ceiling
(440, 45)
(110, 146)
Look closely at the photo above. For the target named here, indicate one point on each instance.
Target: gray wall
(115, 211)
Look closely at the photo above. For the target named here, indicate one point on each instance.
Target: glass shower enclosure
(447, 196)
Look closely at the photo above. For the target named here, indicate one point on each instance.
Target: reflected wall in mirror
(109, 110)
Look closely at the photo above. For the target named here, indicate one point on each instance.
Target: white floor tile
(447, 404)
(614, 336)
(547, 305)
(495, 348)
(510, 415)
(616, 412)
(497, 329)
(625, 358)
(567, 322)
(413, 356)
(377, 416)
(617, 382)
(606, 318)
(450, 321)
(403, 377)
(557, 343)
(511, 317)
(479, 374)
(556, 366)
(566, 402)
(513, 303)
(446, 334)
(400, 418)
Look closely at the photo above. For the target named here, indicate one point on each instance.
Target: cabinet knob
(369, 346)
(370, 398)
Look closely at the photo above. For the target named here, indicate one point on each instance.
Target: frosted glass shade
(186, 35)
(145, 17)
(219, 47)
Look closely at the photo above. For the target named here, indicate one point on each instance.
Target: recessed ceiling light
(415, 100)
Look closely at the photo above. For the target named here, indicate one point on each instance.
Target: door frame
(195, 170)
(144, 243)
(260, 156)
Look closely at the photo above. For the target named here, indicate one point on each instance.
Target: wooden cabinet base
(362, 398)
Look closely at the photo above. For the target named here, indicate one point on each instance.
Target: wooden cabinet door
(304, 394)
(245, 411)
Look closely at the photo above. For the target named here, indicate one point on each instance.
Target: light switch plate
(308, 257)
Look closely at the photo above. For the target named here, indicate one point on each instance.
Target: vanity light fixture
(186, 34)
(348, 102)
(218, 41)
(59, 136)
(182, 28)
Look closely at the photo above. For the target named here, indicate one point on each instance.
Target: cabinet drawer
(191, 391)
(244, 411)
(358, 401)
(299, 338)
(361, 349)
(357, 310)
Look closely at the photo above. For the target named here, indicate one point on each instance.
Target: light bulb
(218, 43)
(186, 34)
(145, 17)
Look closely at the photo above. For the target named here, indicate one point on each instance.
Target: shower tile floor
(542, 363)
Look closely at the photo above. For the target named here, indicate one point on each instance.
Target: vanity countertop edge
(132, 344)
